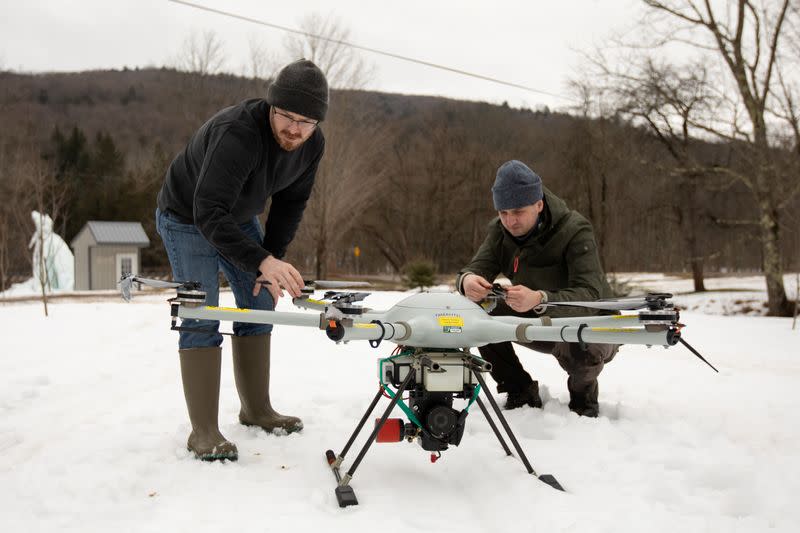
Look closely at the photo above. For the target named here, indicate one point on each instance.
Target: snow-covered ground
(93, 428)
(725, 295)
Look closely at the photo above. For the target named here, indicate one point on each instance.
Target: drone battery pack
(449, 378)
(450, 373)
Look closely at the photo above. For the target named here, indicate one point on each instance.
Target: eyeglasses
(304, 125)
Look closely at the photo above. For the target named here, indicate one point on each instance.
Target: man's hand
(280, 274)
(476, 288)
(522, 299)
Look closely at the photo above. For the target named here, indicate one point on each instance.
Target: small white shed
(105, 251)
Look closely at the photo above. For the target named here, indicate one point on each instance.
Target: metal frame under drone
(434, 437)
(434, 332)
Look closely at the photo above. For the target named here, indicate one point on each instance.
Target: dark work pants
(582, 366)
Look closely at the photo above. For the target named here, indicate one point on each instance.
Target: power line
(369, 49)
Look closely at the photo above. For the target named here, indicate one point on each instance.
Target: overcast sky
(528, 42)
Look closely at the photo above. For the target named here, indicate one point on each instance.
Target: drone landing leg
(338, 459)
(344, 492)
(493, 425)
(546, 478)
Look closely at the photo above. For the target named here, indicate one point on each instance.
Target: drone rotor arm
(598, 334)
(374, 331)
(252, 316)
(595, 321)
(310, 303)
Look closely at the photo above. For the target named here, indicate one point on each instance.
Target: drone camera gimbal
(445, 376)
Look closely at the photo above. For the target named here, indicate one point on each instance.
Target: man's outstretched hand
(280, 274)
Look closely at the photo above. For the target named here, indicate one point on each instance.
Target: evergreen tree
(72, 161)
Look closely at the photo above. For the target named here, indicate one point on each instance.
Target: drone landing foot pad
(550, 480)
(345, 496)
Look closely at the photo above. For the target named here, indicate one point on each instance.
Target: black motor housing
(443, 425)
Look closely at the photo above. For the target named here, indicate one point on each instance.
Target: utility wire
(368, 49)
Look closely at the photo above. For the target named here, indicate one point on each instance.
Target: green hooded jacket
(559, 258)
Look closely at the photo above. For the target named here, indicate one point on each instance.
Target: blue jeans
(193, 259)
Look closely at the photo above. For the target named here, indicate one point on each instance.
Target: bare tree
(796, 299)
(347, 181)
(262, 63)
(595, 155)
(37, 190)
(389, 227)
(5, 262)
(323, 43)
(202, 53)
(436, 198)
(668, 100)
(740, 43)
(5, 227)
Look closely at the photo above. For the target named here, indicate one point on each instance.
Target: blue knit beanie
(516, 186)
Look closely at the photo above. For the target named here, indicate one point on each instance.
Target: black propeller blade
(312, 285)
(652, 301)
(695, 352)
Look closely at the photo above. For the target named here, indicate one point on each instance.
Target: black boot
(527, 396)
(583, 397)
(509, 374)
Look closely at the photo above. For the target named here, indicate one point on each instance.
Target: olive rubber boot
(251, 371)
(583, 398)
(200, 370)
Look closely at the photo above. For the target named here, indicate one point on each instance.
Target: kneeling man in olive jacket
(549, 253)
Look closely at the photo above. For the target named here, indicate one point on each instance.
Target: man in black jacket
(207, 217)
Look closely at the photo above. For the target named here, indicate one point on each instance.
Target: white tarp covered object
(59, 263)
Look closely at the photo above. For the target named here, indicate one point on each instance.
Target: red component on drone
(392, 430)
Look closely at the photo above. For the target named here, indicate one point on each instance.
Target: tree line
(682, 167)
(404, 177)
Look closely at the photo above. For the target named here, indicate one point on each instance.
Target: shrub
(419, 273)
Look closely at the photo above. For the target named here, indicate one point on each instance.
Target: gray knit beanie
(300, 87)
(516, 186)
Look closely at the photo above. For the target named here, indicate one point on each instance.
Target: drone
(432, 363)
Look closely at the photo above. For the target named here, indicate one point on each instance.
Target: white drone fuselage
(441, 320)
(446, 320)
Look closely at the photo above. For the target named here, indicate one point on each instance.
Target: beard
(288, 141)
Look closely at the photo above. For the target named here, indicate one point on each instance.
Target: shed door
(127, 264)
